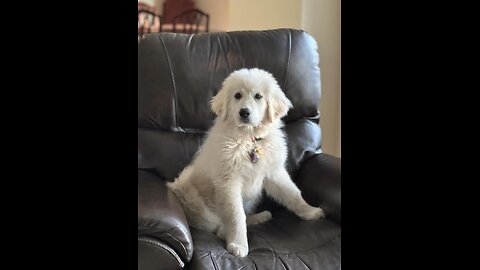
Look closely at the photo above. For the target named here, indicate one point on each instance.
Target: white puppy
(244, 152)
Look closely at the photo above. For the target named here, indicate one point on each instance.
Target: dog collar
(256, 139)
(255, 153)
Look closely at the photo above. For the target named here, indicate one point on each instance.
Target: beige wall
(264, 14)
(150, 2)
(218, 11)
(158, 4)
(232, 15)
(321, 19)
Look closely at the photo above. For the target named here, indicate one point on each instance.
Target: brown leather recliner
(177, 76)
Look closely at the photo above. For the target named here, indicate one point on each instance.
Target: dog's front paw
(237, 250)
(312, 213)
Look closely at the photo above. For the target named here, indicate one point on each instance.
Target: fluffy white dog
(244, 152)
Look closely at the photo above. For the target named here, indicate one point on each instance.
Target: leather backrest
(178, 74)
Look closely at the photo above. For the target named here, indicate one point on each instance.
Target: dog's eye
(258, 96)
(238, 96)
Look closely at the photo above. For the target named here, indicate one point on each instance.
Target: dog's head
(250, 98)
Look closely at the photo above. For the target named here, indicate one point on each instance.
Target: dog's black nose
(244, 113)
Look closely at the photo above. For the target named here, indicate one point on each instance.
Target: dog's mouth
(245, 125)
(246, 121)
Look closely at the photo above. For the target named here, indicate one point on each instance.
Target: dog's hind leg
(198, 214)
(251, 220)
(280, 187)
(259, 218)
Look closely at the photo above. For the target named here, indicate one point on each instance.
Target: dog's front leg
(280, 186)
(229, 199)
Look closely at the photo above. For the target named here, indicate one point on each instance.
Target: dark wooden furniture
(191, 21)
(172, 8)
(178, 16)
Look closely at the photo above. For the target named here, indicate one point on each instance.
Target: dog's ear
(219, 103)
(277, 104)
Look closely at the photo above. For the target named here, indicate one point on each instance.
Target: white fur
(221, 187)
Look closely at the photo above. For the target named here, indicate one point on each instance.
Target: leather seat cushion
(285, 242)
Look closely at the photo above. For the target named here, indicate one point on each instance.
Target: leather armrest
(160, 215)
(319, 179)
